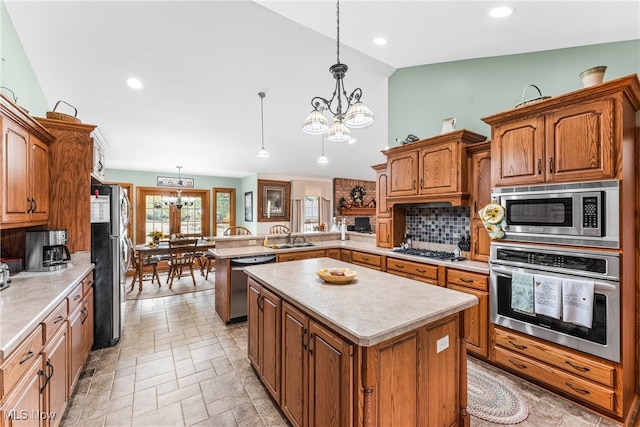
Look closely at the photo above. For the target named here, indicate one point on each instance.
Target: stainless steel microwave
(582, 213)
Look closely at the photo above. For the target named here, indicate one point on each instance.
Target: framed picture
(274, 200)
(166, 181)
(248, 206)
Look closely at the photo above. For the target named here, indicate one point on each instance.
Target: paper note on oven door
(577, 301)
(548, 295)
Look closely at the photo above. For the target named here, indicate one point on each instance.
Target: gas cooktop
(427, 253)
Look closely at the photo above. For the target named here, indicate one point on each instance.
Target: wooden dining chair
(237, 231)
(182, 254)
(149, 261)
(279, 229)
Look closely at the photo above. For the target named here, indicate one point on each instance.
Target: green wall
(421, 97)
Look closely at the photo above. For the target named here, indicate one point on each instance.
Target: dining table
(146, 250)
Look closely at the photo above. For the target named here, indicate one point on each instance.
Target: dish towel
(577, 301)
(522, 292)
(548, 295)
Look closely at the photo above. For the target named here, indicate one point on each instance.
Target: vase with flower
(156, 236)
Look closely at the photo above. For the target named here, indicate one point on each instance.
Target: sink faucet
(289, 238)
(295, 239)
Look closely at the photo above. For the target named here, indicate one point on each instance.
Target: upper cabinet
(25, 168)
(433, 169)
(571, 137)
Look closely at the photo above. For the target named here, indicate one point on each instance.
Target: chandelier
(178, 201)
(263, 151)
(347, 110)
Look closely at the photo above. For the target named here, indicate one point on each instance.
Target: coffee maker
(46, 250)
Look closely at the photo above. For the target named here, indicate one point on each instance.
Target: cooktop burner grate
(425, 253)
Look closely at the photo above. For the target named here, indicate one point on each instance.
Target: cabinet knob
(550, 164)
(539, 166)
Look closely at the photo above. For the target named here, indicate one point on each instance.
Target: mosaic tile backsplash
(443, 225)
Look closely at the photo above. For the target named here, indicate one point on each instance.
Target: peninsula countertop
(375, 307)
(257, 249)
(32, 296)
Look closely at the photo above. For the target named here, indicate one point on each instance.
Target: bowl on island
(337, 275)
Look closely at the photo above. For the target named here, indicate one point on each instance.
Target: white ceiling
(203, 63)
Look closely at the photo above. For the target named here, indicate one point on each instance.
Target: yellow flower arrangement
(158, 234)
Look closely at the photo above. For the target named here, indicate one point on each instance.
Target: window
(224, 209)
(155, 213)
(311, 213)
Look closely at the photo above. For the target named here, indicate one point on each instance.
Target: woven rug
(180, 286)
(492, 400)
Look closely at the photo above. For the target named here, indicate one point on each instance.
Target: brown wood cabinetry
(56, 388)
(80, 302)
(264, 328)
(333, 253)
(476, 317)
(430, 169)
(413, 270)
(317, 368)
(26, 399)
(25, 168)
(592, 380)
(384, 220)
(345, 255)
(480, 188)
(70, 168)
(572, 137)
(367, 260)
(295, 256)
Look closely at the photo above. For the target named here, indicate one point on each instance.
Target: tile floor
(177, 364)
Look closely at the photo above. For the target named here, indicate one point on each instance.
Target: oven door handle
(598, 286)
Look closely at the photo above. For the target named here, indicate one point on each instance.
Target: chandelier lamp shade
(348, 110)
(263, 151)
(323, 159)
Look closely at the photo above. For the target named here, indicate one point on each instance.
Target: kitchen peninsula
(382, 350)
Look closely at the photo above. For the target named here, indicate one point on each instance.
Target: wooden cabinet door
(75, 346)
(382, 190)
(330, 378)
(39, 179)
(480, 181)
(15, 177)
(579, 142)
(294, 365)
(480, 242)
(517, 150)
(87, 325)
(253, 323)
(383, 232)
(333, 253)
(476, 321)
(269, 341)
(345, 255)
(25, 400)
(55, 365)
(439, 166)
(403, 174)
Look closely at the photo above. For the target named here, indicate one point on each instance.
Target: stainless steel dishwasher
(238, 291)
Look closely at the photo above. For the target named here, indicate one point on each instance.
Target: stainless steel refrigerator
(110, 213)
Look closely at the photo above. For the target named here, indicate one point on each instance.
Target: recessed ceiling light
(501, 11)
(134, 83)
(380, 41)
(352, 141)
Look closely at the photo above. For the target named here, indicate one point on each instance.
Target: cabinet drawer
(87, 283)
(294, 256)
(75, 298)
(570, 361)
(366, 259)
(20, 360)
(413, 268)
(570, 384)
(468, 279)
(54, 321)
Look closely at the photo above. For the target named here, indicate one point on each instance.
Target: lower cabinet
(55, 390)
(295, 256)
(264, 328)
(23, 406)
(87, 324)
(413, 270)
(80, 335)
(365, 259)
(317, 372)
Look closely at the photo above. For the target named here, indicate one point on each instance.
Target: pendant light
(263, 152)
(355, 114)
(322, 159)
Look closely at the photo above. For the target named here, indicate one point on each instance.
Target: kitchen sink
(289, 245)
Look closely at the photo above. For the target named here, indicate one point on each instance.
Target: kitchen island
(382, 350)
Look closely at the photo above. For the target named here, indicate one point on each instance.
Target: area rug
(492, 400)
(180, 286)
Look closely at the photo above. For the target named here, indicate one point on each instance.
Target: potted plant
(156, 236)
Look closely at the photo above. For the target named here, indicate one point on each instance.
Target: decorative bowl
(337, 275)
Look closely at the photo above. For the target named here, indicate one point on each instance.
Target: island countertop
(373, 308)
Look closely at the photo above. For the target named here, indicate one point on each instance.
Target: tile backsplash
(443, 225)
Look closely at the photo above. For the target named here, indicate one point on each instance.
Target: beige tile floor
(177, 364)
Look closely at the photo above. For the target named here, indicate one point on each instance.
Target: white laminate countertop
(29, 299)
(373, 308)
(473, 266)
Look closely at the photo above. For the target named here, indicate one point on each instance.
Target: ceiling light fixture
(322, 159)
(380, 41)
(263, 152)
(501, 11)
(178, 201)
(134, 83)
(355, 113)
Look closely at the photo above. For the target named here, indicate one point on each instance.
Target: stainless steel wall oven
(603, 269)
